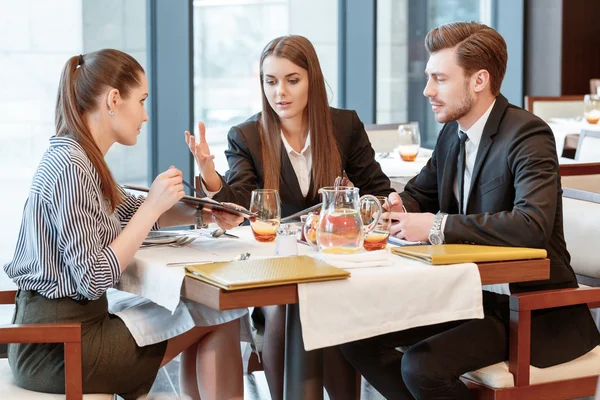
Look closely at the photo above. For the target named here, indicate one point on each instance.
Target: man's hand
(414, 227)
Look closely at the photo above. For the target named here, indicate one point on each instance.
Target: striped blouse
(63, 245)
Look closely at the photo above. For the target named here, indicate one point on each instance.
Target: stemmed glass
(265, 203)
(409, 141)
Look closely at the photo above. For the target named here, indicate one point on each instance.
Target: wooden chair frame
(521, 306)
(69, 334)
(529, 100)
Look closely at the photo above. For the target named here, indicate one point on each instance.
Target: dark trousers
(438, 356)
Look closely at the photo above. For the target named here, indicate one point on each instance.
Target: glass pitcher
(340, 228)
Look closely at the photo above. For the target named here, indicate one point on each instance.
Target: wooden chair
(69, 334)
(588, 146)
(516, 379)
(547, 107)
(594, 85)
(383, 137)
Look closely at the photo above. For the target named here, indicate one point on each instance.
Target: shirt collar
(476, 131)
(289, 148)
(58, 141)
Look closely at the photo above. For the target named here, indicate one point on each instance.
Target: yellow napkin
(463, 253)
(248, 274)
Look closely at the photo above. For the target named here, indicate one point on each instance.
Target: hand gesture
(166, 190)
(200, 150)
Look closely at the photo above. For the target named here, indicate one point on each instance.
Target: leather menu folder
(463, 253)
(236, 275)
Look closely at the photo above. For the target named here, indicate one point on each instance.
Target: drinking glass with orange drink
(591, 111)
(409, 141)
(377, 238)
(265, 203)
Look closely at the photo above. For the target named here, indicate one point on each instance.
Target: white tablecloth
(379, 300)
(561, 127)
(394, 167)
(375, 300)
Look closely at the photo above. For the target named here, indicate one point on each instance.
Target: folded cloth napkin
(365, 259)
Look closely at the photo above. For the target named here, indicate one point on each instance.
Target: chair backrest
(383, 137)
(588, 146)
(581, 213)
(594, 86)
(547, 107)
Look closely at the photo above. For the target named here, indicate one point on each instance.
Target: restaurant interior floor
(166, 386)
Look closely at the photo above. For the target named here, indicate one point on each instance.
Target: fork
(183, 241)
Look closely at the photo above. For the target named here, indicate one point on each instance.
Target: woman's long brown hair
(326, 159)
(83, 80)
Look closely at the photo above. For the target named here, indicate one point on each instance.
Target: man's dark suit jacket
(245, 174)
(515, 199)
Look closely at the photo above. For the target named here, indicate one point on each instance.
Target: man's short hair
(477, 47)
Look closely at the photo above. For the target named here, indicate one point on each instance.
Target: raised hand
(166, 190)
(200, 150)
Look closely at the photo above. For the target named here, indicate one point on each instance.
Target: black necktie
(461, 172)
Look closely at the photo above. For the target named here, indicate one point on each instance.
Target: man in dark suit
(492, 180)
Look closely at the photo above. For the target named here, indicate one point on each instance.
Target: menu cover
(236, 275)
(463, 253)
(206, 202)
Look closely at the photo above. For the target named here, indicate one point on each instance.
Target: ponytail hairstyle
(83, 80)
(326, 159)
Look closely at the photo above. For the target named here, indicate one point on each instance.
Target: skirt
(111, 360)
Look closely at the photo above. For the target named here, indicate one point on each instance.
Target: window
(401, 56)
(229, 36)
(36, 39)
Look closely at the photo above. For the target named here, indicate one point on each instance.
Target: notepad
(462, 253)
(236, 275)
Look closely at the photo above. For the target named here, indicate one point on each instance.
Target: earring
(111, 113)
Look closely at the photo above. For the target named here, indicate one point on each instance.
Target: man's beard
(464, 106)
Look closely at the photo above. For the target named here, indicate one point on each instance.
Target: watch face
(435, 238)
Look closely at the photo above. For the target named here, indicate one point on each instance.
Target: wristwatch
(199, 220)
(436, 236)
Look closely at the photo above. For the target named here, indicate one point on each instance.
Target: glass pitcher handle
(372, 225)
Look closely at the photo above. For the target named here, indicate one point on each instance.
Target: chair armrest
(41, 333)
(8, 296)
(554, 298)
(521, 305)
(579, 169)
(69, 334)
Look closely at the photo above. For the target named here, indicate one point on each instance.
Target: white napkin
(365, 259)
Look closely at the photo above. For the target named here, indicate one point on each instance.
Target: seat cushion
(10, 391)
(497, 375)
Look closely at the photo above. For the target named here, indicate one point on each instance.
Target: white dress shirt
(301, 162)
(474, 135)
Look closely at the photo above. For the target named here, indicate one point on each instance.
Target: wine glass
(591, 110)
(409, 141)
(265, 203)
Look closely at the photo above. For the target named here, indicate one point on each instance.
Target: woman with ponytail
(80, 230)
(297, 144)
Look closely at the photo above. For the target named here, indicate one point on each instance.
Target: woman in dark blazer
(297, 144)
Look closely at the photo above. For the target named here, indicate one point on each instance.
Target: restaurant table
(303, 369)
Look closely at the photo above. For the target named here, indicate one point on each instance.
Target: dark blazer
(515, 200)
(245, 174)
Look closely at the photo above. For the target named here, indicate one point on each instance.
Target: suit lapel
(289, 179)
(490, 129)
